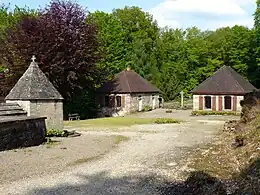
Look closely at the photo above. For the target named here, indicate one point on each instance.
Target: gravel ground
(48, 159)
(139, 166)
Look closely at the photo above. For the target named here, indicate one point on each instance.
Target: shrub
(166, 121)
(204, 113)
(147, 108)
(56, 133)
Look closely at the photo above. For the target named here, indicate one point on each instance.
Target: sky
(205, 14)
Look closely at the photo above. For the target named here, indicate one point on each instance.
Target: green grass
(166, 121)
(114, 122)
(121, 138)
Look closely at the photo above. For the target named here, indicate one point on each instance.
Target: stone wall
(21, 132)
(130, 103)
(51, 109)
(219, 98)
(147, 100)
(118, 111)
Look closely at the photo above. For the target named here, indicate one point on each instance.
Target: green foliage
(147, 108)
(56, 133)
(166, 121)
(82, 102)
(203, 113)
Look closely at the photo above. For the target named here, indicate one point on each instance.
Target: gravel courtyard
(137, 166)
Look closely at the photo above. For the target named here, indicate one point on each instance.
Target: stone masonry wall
(130, 104)
(147, 100)
(21, 133)
(51, 109)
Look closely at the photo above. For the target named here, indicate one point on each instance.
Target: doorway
(227, 102)
(153, 99)
(140, 103)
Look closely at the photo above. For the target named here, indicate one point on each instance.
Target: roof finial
(33, 58)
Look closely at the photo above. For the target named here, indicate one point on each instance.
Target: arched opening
(227, 102)
(207, 100)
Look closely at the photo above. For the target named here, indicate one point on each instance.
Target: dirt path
(136, 167)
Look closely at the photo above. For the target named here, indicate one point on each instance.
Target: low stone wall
(21, 132)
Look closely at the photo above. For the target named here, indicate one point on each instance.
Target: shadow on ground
(199, 183)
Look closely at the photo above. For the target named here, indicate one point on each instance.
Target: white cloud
(203, 13)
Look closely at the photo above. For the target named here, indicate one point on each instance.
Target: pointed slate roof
(128, 81)
(225, 81)
(34, 85)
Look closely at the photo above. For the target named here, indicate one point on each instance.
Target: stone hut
(38, 97)
(127, 92)
(221, 92)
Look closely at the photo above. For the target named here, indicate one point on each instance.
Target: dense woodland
(79, 50)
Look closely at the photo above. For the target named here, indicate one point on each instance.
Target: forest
(79, 50)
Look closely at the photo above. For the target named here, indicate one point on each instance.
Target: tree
(111, 36)
(256, 69)
(65, 45)
(141, 34)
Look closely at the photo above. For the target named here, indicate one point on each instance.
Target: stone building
(221, 92)
(38, 97)
(127, 92)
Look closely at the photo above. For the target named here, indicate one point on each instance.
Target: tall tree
(112, 38)
(141, 36)
(256, 69)
(65, 45)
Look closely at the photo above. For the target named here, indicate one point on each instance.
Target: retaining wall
(21, 132)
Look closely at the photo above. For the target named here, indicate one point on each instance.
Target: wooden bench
(74, 117)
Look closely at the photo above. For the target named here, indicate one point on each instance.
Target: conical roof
(128, 81)
(34, 85)
(225, 81)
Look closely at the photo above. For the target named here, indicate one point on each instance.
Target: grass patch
(116, 122)
(121, 138)
(110, 122)
(166, 121)
(221, 113)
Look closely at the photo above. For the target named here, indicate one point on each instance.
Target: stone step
(12, 112)
(9, 104)
(5, 108)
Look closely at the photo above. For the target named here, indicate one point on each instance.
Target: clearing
(137, 166)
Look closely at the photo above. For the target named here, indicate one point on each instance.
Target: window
(106, 100)
(118, 101)
(227, 102)
(207, 102)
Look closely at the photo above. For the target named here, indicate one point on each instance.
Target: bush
(147, 108)
(56, 133)
(204, 113)
(166, 121)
